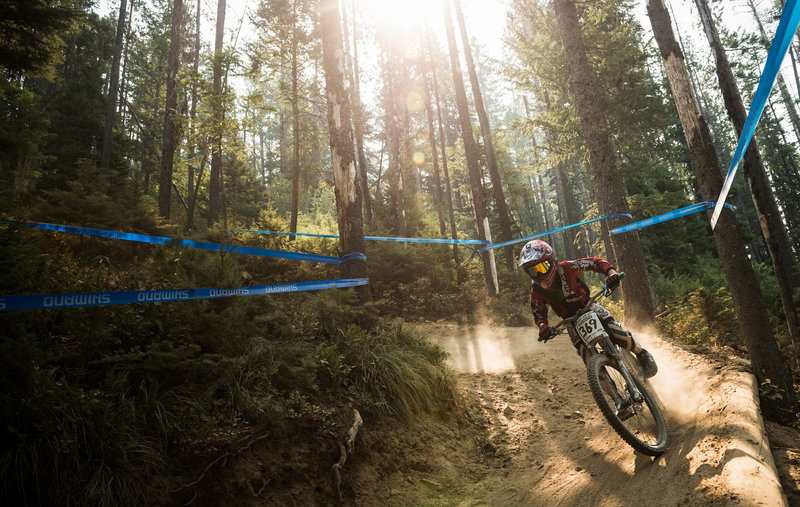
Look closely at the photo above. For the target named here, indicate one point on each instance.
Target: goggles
(538, 270)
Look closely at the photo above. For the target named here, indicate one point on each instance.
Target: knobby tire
(652, 447)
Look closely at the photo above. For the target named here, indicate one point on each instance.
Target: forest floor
(533, 435)
(527, 432)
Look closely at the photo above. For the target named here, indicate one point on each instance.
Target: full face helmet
(538, 259)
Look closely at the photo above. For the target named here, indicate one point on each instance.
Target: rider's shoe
(648, 363)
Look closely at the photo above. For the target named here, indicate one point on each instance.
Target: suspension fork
(613, 351)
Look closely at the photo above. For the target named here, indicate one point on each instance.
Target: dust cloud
(681, 388)
(485, 348)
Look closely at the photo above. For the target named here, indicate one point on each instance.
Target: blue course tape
(790, 18)
(540, 234)
(682, 212)
(214, 247)
(74, 300)
(377, 238)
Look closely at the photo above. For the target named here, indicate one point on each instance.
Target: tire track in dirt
(536, 437)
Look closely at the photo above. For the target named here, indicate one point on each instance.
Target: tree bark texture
(358, 115)
(609, 188)
(215, 177)
(295, 128)
(767, 207)
(767, 361)
(486, 131)
(113, 88)
(473, 168)
(171, 120)
(346, 185)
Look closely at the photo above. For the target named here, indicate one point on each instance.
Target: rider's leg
(621, 337)
(624, 339)
(579, 346)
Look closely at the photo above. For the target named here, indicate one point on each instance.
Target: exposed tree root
(346, 447)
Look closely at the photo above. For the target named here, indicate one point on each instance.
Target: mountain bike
(623, 394)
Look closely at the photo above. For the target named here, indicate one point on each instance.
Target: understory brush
(124, 404)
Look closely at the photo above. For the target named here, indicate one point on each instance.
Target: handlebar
(604, 291)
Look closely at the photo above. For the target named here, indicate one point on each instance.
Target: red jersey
(568, 293)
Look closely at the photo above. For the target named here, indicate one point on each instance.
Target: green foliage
(705, 317)
(97, 401)
(33, 33)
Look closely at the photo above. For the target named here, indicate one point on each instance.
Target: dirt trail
(535, 436)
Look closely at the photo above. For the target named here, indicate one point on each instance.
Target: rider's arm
(539, 310)
(593, 264)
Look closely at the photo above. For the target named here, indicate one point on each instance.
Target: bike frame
(607, 347)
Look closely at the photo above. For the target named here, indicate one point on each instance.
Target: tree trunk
(438, 195)
(171, 120)
(609, 187)
(347, 188)
(448, 189)
(111, 106)
(753, 165)
(535, 182)
(548, 222)
(122, 90)
(190, 190)
(395, 169)
(741, 210)
(358, 115)
(562, 193)
(474, 170)
(491, 160)
(215, 178)
(767, 361)
(295, 127)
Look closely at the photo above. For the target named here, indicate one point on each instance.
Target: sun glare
(405, 14)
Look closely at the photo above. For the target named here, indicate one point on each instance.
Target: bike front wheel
(639, 422)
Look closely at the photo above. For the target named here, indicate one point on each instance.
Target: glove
(546, 333)
(612, 281)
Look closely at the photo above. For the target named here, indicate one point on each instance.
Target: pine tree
(215, 190)
(113, 89)
(609, 188)
(768, 212)
(171, 120)
(501, 209)
(478, 193)
(345, 177)
(768, 363)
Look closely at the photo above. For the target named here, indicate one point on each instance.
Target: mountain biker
(557, 284)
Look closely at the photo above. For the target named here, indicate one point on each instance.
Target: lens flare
(419, 158)
(414, 101)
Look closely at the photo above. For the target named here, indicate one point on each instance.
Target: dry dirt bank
(532, 435)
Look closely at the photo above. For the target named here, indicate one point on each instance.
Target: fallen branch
(348, 446)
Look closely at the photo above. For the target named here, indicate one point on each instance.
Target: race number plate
(589, 327)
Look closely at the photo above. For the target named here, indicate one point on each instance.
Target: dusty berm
(532, 434)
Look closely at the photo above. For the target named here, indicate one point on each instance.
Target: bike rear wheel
(645, 430)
